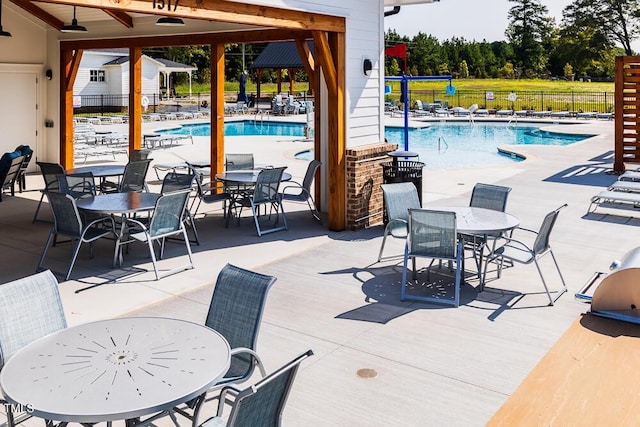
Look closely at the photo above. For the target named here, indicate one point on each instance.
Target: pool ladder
(261, 114)
(441, 140)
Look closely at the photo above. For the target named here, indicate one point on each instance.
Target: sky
(472, 19)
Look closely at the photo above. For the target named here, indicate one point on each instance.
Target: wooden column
(331, 56)
(279, 81)
(69, 64)
(292, 79)
(135, 98)
(337, 136)
(217, 109)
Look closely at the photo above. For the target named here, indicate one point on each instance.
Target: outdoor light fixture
(367, 66)
(3, 33)
(49, 74)
(168, 21)
(74, 27)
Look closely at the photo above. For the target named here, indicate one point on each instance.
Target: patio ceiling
(218, 14)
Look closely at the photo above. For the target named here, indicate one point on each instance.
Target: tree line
(584, 44)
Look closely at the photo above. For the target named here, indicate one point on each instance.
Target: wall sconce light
(49, 74)
(367, 66)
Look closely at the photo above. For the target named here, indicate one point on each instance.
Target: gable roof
(280, 55)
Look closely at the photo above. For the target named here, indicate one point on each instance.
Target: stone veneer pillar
(364, 176)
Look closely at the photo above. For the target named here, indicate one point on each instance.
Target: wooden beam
(323, 52)
(307, 60)
(72, 71)
(66, 109)
(336, 135)
(217, 109)
(42, 15)
(135, 99)
(121, 17)
(255, 36)
(223, 11)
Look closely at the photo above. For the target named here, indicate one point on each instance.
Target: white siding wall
(364, 39)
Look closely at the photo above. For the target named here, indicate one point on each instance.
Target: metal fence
(602, 102)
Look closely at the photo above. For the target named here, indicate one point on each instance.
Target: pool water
(448, 145)
(463, 145)
(240, 128)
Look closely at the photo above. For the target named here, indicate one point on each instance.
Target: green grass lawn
(460, 84)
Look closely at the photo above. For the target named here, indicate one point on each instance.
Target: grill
(616, 294)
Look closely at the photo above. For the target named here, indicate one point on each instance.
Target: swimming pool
(448, 145)
(466, 145)
(239, 128)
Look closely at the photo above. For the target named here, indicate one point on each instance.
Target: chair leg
(404, 275)
(384, 240)
(44, 251)
(153, 258)
(35, 215)
(76, 249)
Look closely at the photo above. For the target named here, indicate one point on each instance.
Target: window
(96, 75)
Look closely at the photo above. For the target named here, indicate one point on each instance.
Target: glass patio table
(118, 369)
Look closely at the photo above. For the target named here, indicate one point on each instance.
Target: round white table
(480, 220)
(119, 369)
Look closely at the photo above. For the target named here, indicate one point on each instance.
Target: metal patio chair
(68, 222)
(9, 176)
(261, 404)
(77, 185)
(174, 181)
(265, 193)
(236, 310)
(432, 234)
(30, 308)
(50, 172)
(301, 193)
(167, 220)
(239, 161)
(515, 250)
(209, 194)
(398, 199)
(135, 173)
(486, 196)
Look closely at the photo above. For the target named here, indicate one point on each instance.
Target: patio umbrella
(242, 96)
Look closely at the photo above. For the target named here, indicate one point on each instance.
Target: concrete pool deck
(433, 365)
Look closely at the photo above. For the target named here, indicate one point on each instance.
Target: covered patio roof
(213, 23)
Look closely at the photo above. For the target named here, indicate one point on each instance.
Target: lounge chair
(541, 114)
(560, 114)
(630, 186)
(633, 175)
(482, 112)
(460, 111)
(587, 115)
(521, 113)
(614, 199)
(504, 113)
(420, 110)
(604, 116)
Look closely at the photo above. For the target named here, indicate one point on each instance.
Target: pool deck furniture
(118, 369)
(584, 379)
(614, 199)
(482, 223)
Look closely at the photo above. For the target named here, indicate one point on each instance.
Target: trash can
(403, 170)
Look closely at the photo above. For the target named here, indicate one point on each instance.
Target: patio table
(480, 222)
(118, 369)
(123, 204)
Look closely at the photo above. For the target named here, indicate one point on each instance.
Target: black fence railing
(602, 102)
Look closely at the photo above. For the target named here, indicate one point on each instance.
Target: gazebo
(279, 56)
